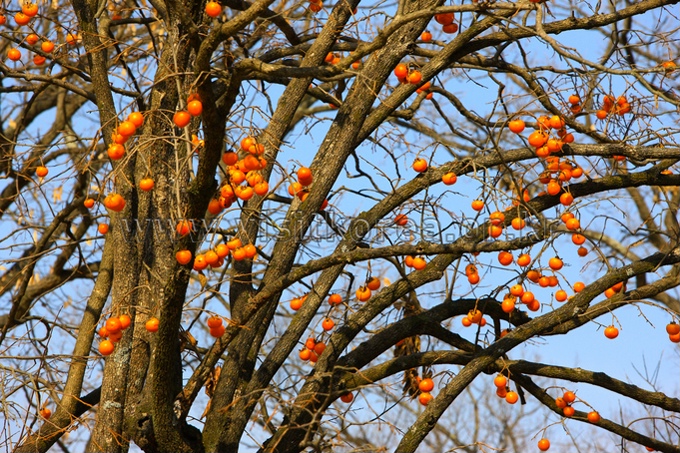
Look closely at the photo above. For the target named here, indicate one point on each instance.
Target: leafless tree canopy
(294, 204)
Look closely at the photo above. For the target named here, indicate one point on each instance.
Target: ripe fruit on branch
(543, 444)
(560, 295)
(125, 321)
(229, 158)
(566, 199)
(250, 251)
(115, 151)
(222, 250)
(363, 293)
(473, 279)
(73, 39)
(556, 122)
(420, 165)
(319, 347)
(261, 188)
(477, 205)
(401, 220)
(347, 397)
(234, 244)
(184, 227)
(425, 398)
(555, 263)
(426, 385)
(517, 290)
(508, 304)
(415, 77)
(573, 224)
(534, 305)
(181, 118)
(528, 297)
(114, 202)
(152, 324)
(32, 39)
(553, 187)
(30, 9)
(296, 304)
(444, 18)
(673, 328)
(21, 18)
(41, 171)
(304, 175)
(449, 178)
(47, 46)
(516, 126)
(593, 417)
(424, 88)
(327, 324)
(195, 107)
(511, 397)
(401, 71)
(669, 66)
(524, 260)
(419, 263)
(305, 354)
(211, 257)
(505, 258)
(214, 322)
(533, 276)
(500, 381)
(213, 9)
(245, 193)
(113, 325)
(126, 128)
(471, 269)
(611, 332)
(373, 283)
(106, 347)
(217, 331)
(136, 118)
(578, 239)
(183, 257)
(450, 28)
(146, 184)
(14, 54)
(475, 316)
(537, 138)
(497, 218)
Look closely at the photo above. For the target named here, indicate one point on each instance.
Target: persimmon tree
(224, 224)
